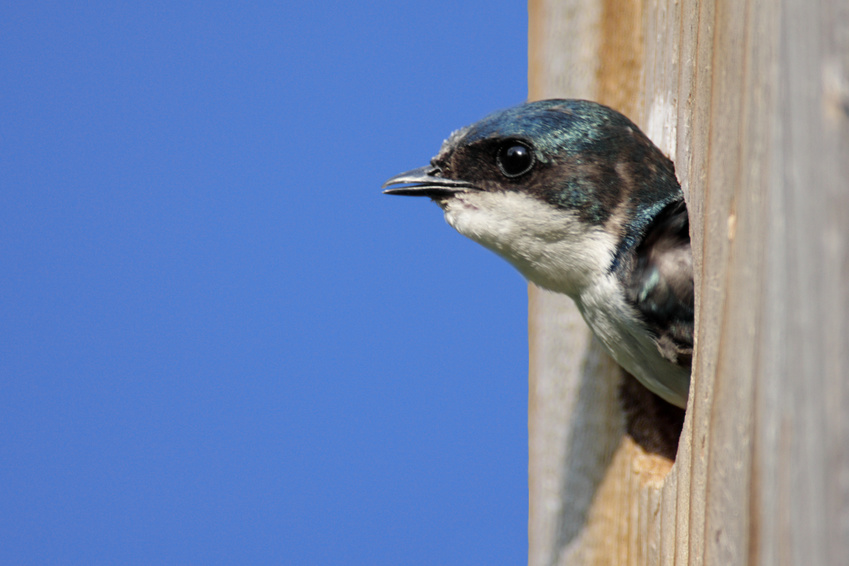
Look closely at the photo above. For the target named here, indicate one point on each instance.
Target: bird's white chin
(548, 245)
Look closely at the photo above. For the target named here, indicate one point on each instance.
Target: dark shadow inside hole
(654, 424)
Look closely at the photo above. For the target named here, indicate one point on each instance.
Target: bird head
(559, 188)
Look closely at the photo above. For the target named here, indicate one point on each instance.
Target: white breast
(554, 249)
(617, 326)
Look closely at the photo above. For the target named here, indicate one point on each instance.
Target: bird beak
(424, 182)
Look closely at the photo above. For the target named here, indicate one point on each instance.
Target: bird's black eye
(515, 158)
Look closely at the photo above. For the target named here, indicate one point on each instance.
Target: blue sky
(220, 342)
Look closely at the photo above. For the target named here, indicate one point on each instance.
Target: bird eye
(515, 158)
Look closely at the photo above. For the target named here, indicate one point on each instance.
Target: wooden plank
(751, 99)
(801, 436)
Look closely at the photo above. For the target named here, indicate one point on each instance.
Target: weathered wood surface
(751, 100)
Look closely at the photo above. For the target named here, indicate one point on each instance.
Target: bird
(578, 199)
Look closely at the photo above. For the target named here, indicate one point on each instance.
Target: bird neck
(550, 246)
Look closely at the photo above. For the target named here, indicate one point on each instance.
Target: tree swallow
(581, 202)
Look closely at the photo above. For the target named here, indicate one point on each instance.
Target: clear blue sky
(220, 342)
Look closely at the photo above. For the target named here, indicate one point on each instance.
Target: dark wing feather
(660, 285)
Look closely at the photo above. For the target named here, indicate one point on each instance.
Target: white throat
(549, 246)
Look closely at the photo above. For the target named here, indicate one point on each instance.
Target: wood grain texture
(751, 100)
(573, 426)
